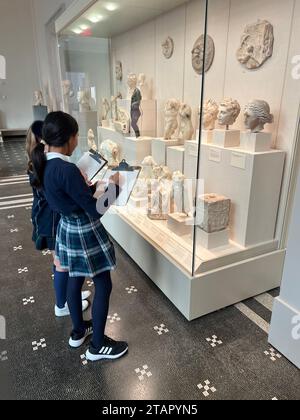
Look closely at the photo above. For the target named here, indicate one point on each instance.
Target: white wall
(16, 45)
(140, 51)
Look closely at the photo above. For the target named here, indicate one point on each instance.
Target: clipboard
(131, 174)
(91, 164)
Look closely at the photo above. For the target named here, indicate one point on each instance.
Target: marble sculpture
(119, 71)
(168, 47)
(186, 129)
(110, 151)
(210, 114)
(198, 54)
(38, 98)
(136, 100)
(91, 141)
(213, 212)
(171, 118)
(84, 100)
(257, 113)
(229, 110)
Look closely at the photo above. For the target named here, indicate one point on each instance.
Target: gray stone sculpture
(256, 45)
(171, 118)
(210, 114)
(229, 110)
(119, 71)
(136, 100)
(213, 212)
(105, 109)
(186, 129)
(198, 53)
(257, 113)
(168, 47)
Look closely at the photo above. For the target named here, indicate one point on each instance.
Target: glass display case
(204, 96)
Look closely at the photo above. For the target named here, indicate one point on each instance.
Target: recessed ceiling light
(84, 27)
(111, 7)
(95, 18)
(77, 31)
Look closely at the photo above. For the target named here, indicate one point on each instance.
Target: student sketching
(83, 247)
(45, 223)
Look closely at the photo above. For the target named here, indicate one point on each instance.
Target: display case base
(180, 224)
(206, 292)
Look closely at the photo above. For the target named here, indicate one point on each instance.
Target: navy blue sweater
(66, 190)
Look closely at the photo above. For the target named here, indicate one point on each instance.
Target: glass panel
(249, 118)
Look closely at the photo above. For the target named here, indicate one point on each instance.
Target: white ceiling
(127, 15)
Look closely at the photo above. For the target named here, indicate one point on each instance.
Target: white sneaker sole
(97, 358)
(61, 313)
(79, 343)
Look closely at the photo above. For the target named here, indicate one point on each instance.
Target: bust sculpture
(110, 151)
(186, 129)
(210, 114)
(256, 44)
(91, 141)
(84, 100)
(229, 110)
(38, 98)
(119, 71)
(171, 118)
(198, 54)
(257, 113)
(168, 47)
(178, 193)
(136, 99)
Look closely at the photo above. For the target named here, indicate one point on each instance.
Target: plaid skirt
(83, 247)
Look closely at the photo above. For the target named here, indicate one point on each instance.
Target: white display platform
(226, 138)
(256, 142)
(251, 180)
(167, 260)
(147, 122)
(135, 150)
(160, 149)
(175, 158)
(212, 240)
(180, 225)
(207, 136)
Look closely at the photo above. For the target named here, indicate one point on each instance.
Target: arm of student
(77, 189)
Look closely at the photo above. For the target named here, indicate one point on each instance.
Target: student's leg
(61, 278)
(75, 303)
(103, 288)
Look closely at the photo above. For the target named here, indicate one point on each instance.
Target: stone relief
(257, 113)
(257, 44)
(171, 118)
(119, 71)
(168, 47)
(198, 53)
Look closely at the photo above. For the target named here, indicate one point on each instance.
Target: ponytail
(38, 160)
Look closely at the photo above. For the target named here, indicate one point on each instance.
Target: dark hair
(34, 137)
(58, 128)
(37, 130)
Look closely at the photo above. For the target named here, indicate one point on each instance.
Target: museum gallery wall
(140, 51)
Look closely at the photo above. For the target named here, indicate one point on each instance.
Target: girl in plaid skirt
(83, 248)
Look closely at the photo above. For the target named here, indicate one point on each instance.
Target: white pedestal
(207, 136)
(175, 158)
(226, 138)
(105, 123)
(159, 149)
(180, 224)
(190, 159)
(256, 142)
(147, 122)
(135, 150)
(212, 240)
(139, 203)
(252, 182)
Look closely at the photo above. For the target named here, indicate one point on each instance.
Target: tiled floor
(221, 356)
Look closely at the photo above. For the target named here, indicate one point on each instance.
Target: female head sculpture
(257, 114)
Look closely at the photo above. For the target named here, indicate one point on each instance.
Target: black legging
(103, 288)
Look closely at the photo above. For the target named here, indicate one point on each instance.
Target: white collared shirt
(54, 155)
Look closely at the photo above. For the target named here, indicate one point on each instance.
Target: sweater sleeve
(76, 188)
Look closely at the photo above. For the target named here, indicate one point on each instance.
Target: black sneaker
(111, 350)
(77, 340)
